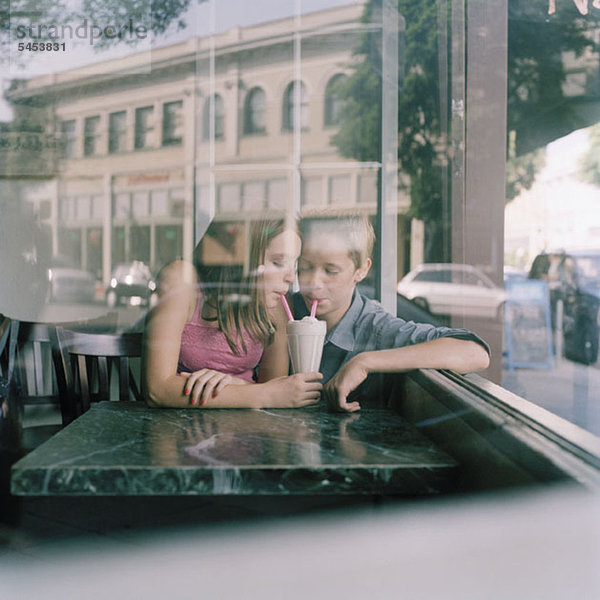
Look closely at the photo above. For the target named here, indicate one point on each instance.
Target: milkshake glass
(305, 343)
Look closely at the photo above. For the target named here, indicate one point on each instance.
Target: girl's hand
(294, 391)
(204, 384)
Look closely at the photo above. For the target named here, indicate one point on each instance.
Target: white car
(453, 289)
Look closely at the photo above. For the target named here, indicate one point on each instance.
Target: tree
(537, 109)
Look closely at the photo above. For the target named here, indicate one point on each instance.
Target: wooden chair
(36, 389)
(86, 363)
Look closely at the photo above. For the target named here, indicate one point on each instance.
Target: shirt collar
(342, 335)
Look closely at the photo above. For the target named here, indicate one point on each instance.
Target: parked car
(68, 282)
(131, 283)
(453, 289)
(573, 279)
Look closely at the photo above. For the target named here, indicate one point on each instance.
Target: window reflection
(323, 77)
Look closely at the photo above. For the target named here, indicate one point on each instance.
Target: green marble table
(127, 448)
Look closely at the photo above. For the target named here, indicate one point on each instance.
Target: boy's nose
(313, 281)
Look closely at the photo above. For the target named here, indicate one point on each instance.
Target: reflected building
(228, 127)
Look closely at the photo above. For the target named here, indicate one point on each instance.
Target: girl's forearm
(170, 394)
(462, 356)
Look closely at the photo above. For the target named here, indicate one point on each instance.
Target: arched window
(295, 105)
(218, 116)
(255, 111)
(334, 103)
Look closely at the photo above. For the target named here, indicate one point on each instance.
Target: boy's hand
(348, 378)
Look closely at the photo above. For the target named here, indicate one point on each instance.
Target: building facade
(229, 127)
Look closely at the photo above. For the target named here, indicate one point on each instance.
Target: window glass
(83, 210)
(277, 193)
(91, 136)
(295, 106)
(140, 204)
(168, 244)
(139, 243)
(94, 251)
(144, 127)
(172, 123)
(160, 202)
(588, 267)
(339, 190)
(438, 275)
(213, 116)
(254, 195)
(312, 191)
(467, 132)
(98, 204)
(229, 197)
(69, 138)
(122, 206)
(255, 113)
(177, 196)
(334, 103)
(117, 132)
(550, 230)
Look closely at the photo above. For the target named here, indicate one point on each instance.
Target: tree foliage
(538, 110)
(420, 148)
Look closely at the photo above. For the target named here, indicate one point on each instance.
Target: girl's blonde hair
(236, 292)
(354, 229)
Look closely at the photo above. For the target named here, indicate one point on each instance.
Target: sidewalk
(569, 390)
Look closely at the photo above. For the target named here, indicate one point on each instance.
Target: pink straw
(286, 306)
(313, 308)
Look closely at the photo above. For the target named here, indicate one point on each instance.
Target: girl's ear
(363, 271)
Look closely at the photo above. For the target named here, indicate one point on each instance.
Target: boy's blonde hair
(354, 229)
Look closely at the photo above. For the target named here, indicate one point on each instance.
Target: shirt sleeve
(394, 332)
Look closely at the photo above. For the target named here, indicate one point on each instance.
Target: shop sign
(582, 6)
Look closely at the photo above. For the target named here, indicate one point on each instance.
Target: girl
(214, 324)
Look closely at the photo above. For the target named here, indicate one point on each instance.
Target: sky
(203, 18)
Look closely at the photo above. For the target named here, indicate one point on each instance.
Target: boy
(361, 337)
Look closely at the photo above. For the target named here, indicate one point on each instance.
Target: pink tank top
(203, 346)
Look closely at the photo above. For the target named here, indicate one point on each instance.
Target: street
(569, 390)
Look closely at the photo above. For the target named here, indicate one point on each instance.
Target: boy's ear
(363, 271)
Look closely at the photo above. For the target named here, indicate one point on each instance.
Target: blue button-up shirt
(366, 326)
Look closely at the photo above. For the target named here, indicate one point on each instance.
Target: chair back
(33, 368)
(87, 363)
(34, 391)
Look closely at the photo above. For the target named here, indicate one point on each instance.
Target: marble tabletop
(126, 448)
